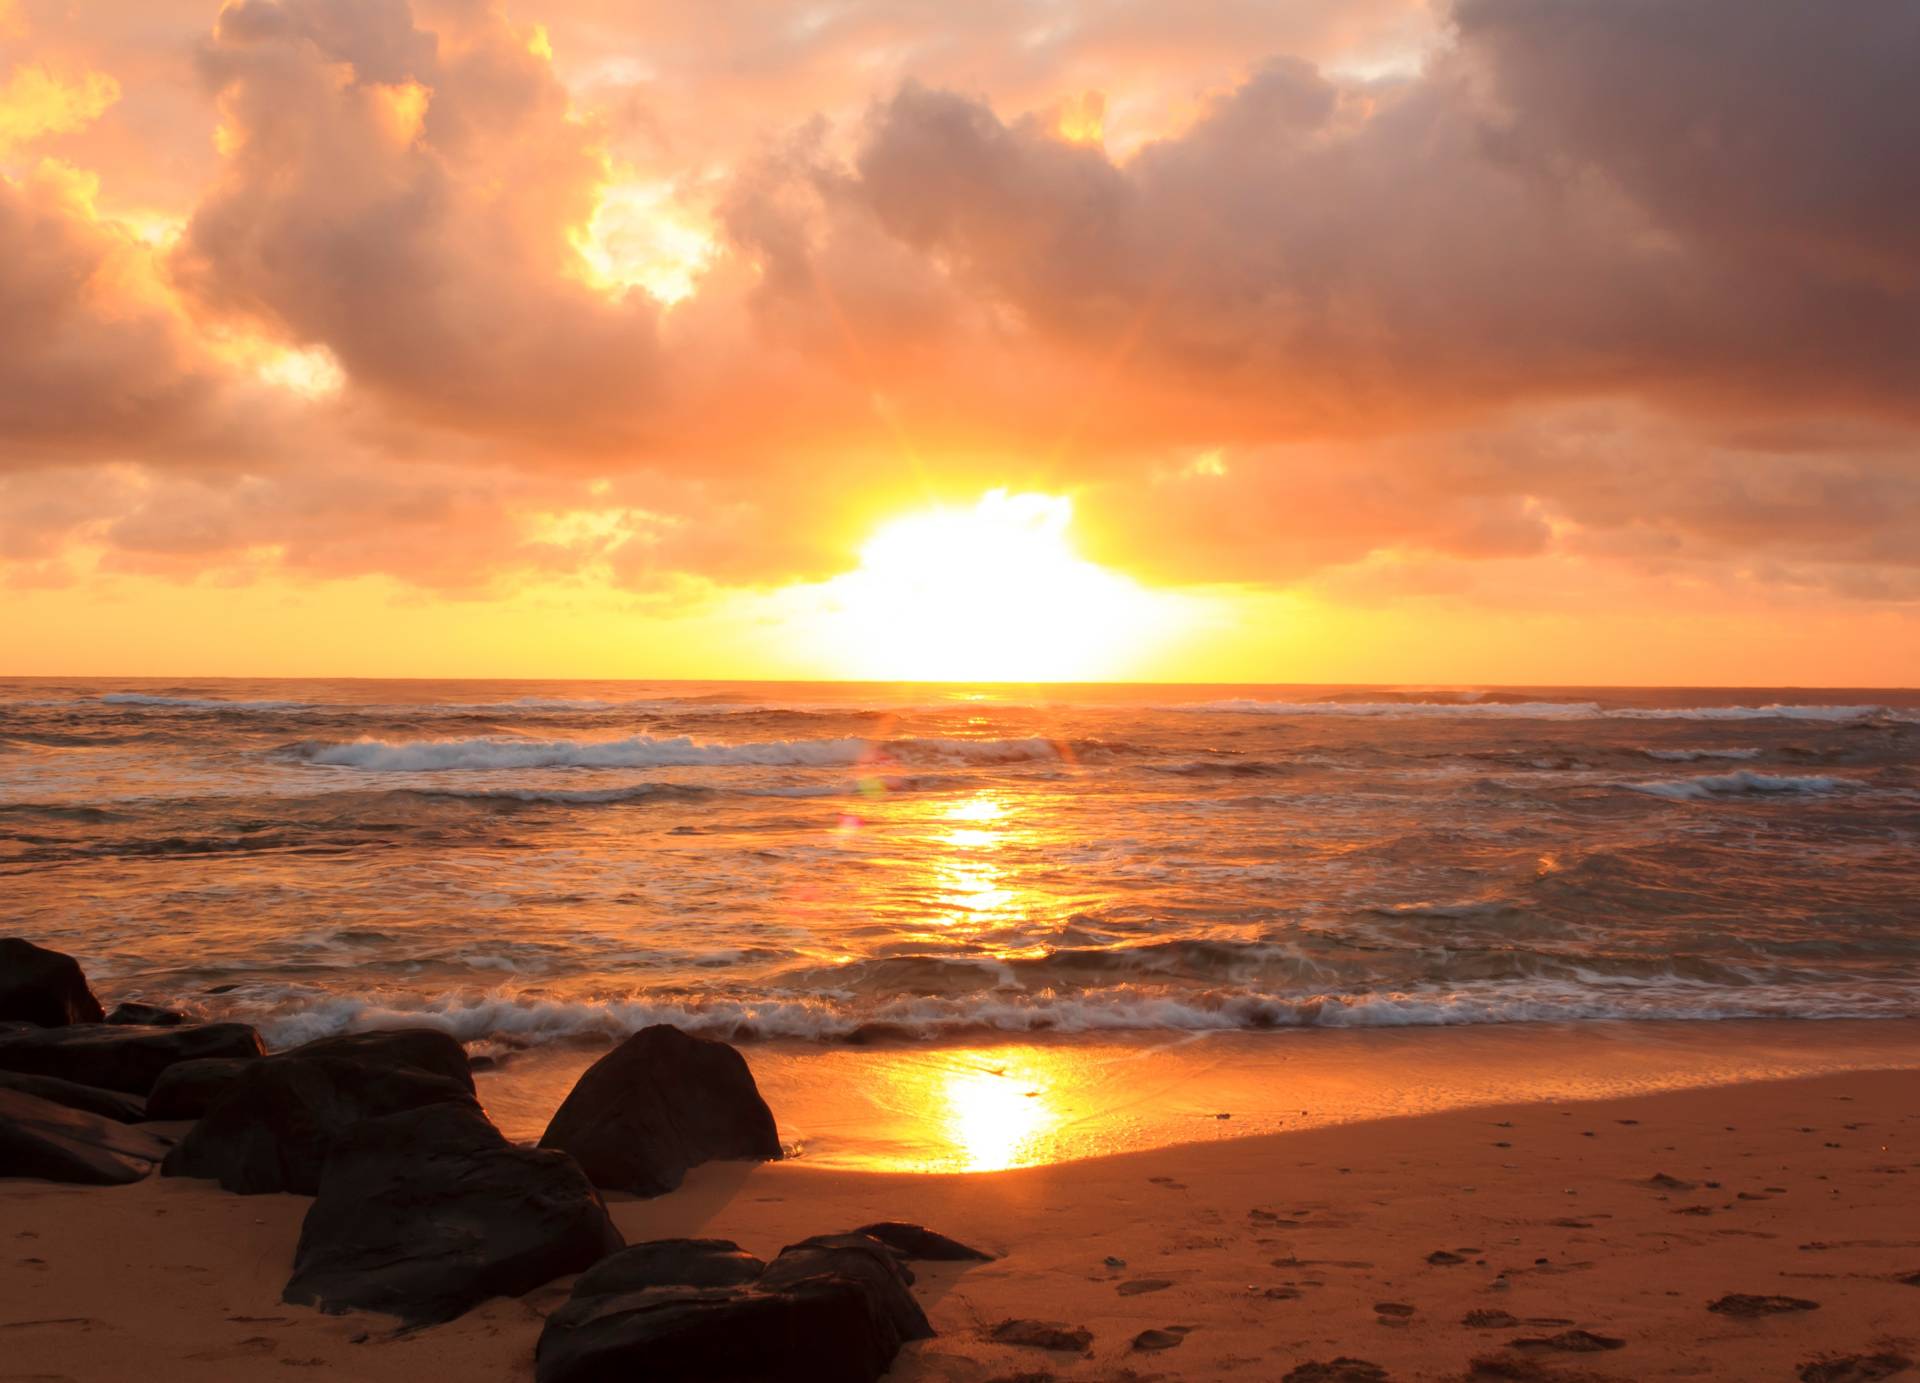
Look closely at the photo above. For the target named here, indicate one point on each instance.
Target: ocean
(526, 864)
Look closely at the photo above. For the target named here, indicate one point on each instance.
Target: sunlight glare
(992, 593)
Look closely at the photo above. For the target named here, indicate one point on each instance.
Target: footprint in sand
(1567, 1342)
(1150, 1340)
(1043, 1335)
(1489, 1320)
(1440, 1258)
(1853, 1368)
(1344, 1369)
(1143, 1284)
(1743, 1306)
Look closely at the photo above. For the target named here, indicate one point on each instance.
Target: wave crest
(645, 751)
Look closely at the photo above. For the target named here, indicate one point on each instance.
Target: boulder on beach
(835, 1310)
(275, 1125)
(425, 1214)
(660, 1103)
(138, 1014)
(108, 1104)
(188, 1089)
(56, 1142)
(917, 1241)
(42, 987)
(126, 1059)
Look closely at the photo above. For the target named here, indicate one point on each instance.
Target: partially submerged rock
(39, 1138)
(42, 987)
(426, 1213)
(188, 1089)
(830, 1310)
(278, 1122)
(108, 1104)
(660, 1103)
(126, 1059)
(139, 1014)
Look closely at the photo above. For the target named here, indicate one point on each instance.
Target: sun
(991, 593)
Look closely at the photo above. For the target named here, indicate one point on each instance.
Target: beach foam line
(1742, 782)
(521, 1020)
(645, 751)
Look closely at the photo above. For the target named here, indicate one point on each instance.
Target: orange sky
(1342, 340)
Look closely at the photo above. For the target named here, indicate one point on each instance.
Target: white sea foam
(519, 1020)
(645, 751)
(1742, 782)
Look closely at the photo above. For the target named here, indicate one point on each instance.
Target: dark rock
(658, 1104)
(1440, 1258)
(1341, 1370)
(1854, 1368)
(1746, 1307)
(146, 1015)
(108, 1104)
(830, 1310)
(1140, 1285)
(1400, 1309)
(1067, 1339)
(917, 1242)
(39, 1138)
(119, 1058)
(670, 1263)
(1667, 1183)
(275, 1126)
(426, 1213)
(42, 987)
(188, 1089)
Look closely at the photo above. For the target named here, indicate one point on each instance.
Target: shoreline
(1275, 1249)
(1017, 1101)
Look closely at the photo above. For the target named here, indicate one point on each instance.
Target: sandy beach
(1531, 1239)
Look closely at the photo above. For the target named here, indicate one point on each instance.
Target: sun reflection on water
(995, 1117)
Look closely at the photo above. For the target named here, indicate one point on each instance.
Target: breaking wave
(645, 751)
(1741, 782)
(528, 1021)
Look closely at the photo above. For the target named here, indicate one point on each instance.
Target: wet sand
(1421, 1243)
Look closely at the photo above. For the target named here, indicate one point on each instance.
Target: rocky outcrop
(425, 1214)
(107, 1104)
(42, 987)
(277, 1123)
(830, 1310)
(39, 1138)
(129, 1060)
(190, 1088)
(658, 1104)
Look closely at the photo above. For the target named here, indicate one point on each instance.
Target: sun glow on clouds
(639, 238)
(991, 593)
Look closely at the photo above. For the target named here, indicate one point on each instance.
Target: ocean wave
(1540, 710)
(1687, 756)
(1742, 782)
(517, 1020)
(645, 751)
(199, 703)
(1493, 710)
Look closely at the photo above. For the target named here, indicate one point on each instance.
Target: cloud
(361, 287)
